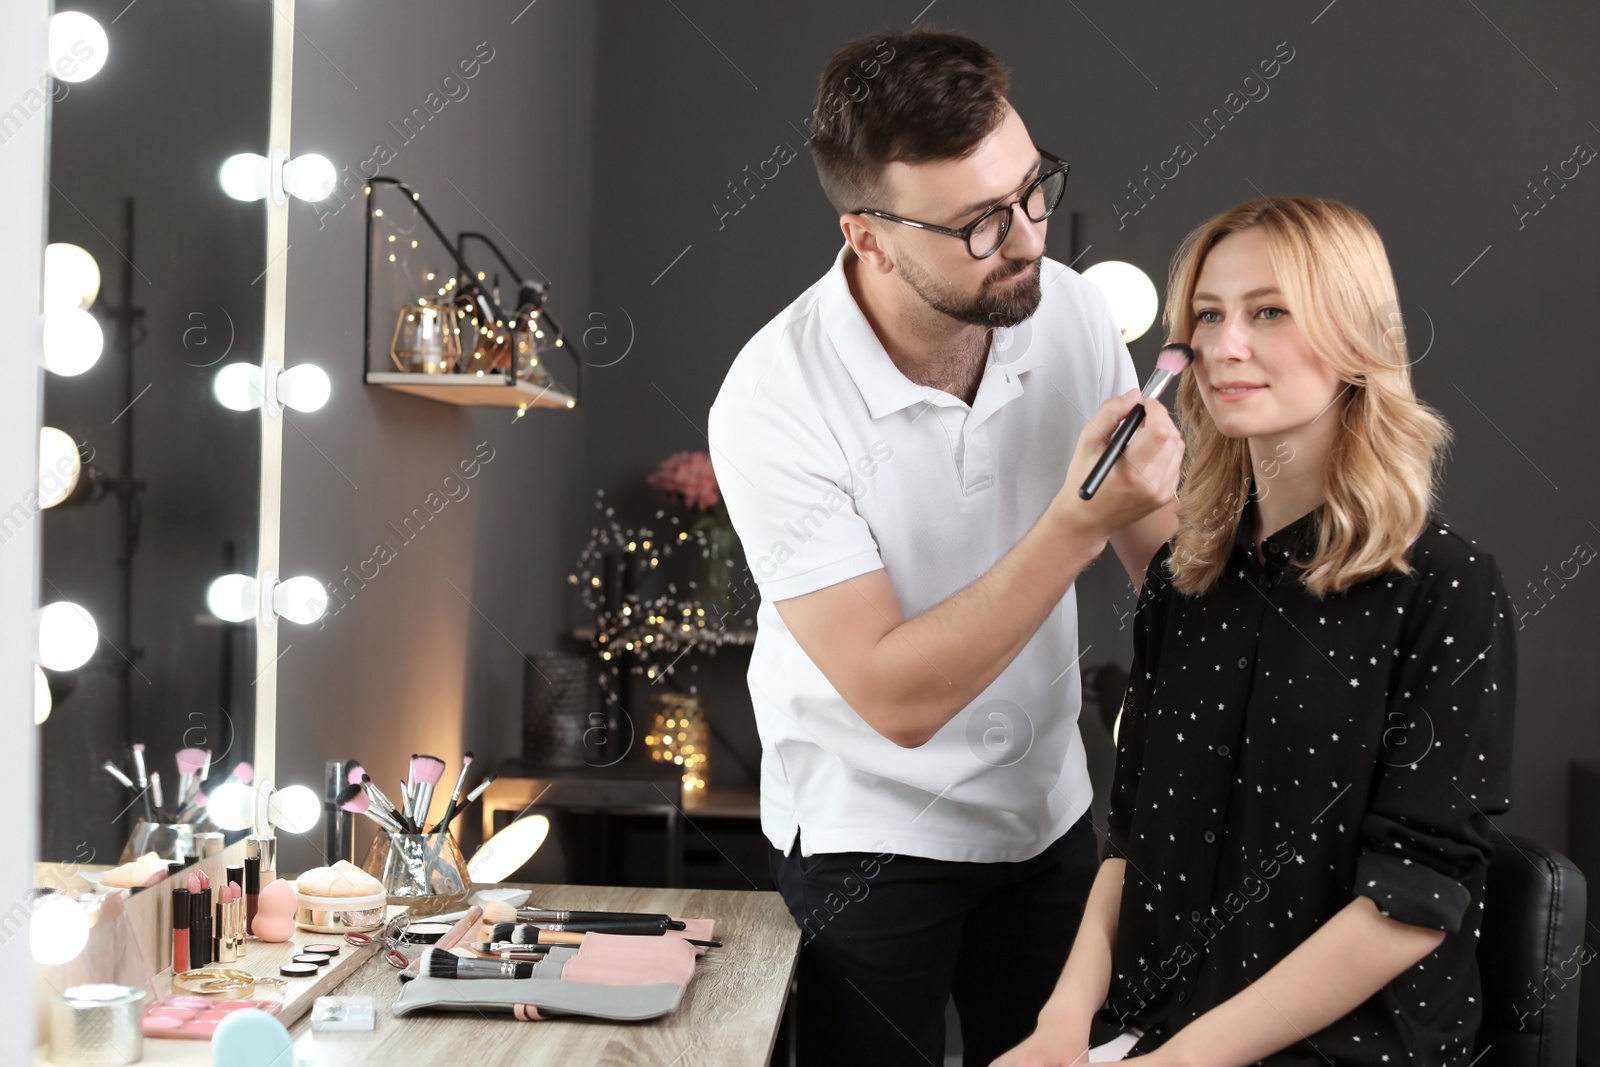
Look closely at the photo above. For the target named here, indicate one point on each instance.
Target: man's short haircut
(912, 97)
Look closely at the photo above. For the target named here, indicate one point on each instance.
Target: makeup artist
(1317, 729)
(900, 450)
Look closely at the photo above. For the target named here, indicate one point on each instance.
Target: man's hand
(1051, 1045)
(1143, 479)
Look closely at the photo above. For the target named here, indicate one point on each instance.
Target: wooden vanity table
(729, 1016)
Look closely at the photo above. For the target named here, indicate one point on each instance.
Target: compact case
(339, 915)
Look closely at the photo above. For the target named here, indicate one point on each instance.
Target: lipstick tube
(180, 930)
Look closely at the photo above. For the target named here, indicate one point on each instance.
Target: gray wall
(426, 657)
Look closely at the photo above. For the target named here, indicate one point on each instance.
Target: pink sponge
(274, 919)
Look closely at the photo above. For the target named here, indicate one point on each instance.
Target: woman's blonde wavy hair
(1383, 469)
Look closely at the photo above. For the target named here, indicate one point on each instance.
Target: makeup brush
(353, 771)
(527, 934)
(190, 763)
(477, 791)
(143, 779)
(437, 963)
(354, 799)
(385, 804)
(455, 795)
(155, 791)
(550, 915)
(1172, 362)
(116, 772)
(492, 947)
(425, 772)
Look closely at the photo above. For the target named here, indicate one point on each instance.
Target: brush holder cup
(169, 840)
(423, 872)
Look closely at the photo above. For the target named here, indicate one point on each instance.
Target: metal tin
(337, 915)
(96, 1024)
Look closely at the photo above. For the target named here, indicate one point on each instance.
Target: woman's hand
(1050, 1045)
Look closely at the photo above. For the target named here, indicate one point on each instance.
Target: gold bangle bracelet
(214, 980)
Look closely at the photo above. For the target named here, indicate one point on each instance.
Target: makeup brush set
(363, 796)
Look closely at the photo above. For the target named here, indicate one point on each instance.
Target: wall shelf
(468, 390)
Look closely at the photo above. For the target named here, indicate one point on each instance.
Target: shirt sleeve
(1147, 628)
(1446, 750)
(791, 494)
(1119, 375)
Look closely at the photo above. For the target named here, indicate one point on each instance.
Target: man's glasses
(985, 234)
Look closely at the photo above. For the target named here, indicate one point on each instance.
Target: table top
(729, 1015)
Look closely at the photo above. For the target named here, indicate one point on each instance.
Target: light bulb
(232, 806)
(504, 854)
(1131, 294)
(238, 386)
(301, 600)
(310, 177)
(72, 340)
(71, 277)
(77, 46)
(295, 809)
(304, 387)
(57, 930)
(233, 598)
(245, 176)
(67, 635)
(42, 702)
(59, 466)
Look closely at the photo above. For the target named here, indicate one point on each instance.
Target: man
(900, 451)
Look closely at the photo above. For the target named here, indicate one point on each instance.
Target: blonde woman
(1318, 721)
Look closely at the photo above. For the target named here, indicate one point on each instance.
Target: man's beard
(998, 303)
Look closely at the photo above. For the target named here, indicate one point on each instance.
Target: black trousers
(887, 940)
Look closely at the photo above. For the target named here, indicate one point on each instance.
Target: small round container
(339, 915)
(95, 1024)
(314, 958)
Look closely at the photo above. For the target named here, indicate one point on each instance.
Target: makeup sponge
(251, 1038)
(343, 879)
(274, 919)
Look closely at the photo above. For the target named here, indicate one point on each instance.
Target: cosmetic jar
(95, 1024)
(338, 915)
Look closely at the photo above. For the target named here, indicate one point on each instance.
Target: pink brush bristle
(244, 773)
(427, 769)
(355, 773)
(190, 760)
(1175, 357)
(358, 803)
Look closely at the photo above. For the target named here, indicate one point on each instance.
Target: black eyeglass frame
(1061, 167)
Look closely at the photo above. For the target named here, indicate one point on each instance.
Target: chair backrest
(1531, 952)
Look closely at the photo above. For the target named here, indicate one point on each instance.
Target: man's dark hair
(911, 97)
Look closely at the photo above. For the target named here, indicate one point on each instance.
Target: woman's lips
(1231, 394)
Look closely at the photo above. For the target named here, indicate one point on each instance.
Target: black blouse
(1280, 755)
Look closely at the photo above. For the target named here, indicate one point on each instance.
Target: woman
(1318, 720)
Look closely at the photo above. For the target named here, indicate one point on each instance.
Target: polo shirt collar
(882, 385)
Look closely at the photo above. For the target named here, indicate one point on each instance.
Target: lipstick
(180, 930)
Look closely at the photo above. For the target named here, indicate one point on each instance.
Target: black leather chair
(1531, 953)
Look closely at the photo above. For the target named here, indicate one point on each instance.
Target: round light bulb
(310, 177)
(295, 809)
(77, 46)
(67, 635)
(233, 598)
(301, 600)
(59, 466)
(232, 806)
(57, 930)
(71, 277)
(42, 702)
(1131, 294)
(304, 387)
(244, 176)
(504, 854)
(72, 340)
(238, 386)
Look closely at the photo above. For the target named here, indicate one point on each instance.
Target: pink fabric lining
(623, 959)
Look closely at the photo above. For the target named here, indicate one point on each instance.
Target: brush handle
(1119, 441)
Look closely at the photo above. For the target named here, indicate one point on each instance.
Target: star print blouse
(1281, 755)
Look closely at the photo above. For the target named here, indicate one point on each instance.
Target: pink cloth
(626, 959)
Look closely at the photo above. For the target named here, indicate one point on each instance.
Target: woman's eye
(1201, 315)
(1275, 313)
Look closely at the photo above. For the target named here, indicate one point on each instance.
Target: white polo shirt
(834, 464)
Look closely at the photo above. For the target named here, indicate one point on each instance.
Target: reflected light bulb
(301, 600)
(295, 809)
(72, 340)
(67, 635)
(42, 703)
(310, 177)
(238, 386)
(57, 930)
(304, 387)
(233, 598)
(77, 46)
(504, 854)
(244, 176)
(232, 806)
(71, 277)
(1131, 294)
(59, 466)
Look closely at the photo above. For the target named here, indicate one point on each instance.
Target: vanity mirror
(159, 483)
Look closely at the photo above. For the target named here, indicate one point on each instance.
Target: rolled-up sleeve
(1147, 627)
(1446, 750)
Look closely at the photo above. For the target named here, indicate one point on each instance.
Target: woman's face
(1256, 374)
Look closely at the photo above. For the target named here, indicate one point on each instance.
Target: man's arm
(907, 678)
(1136, 544)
